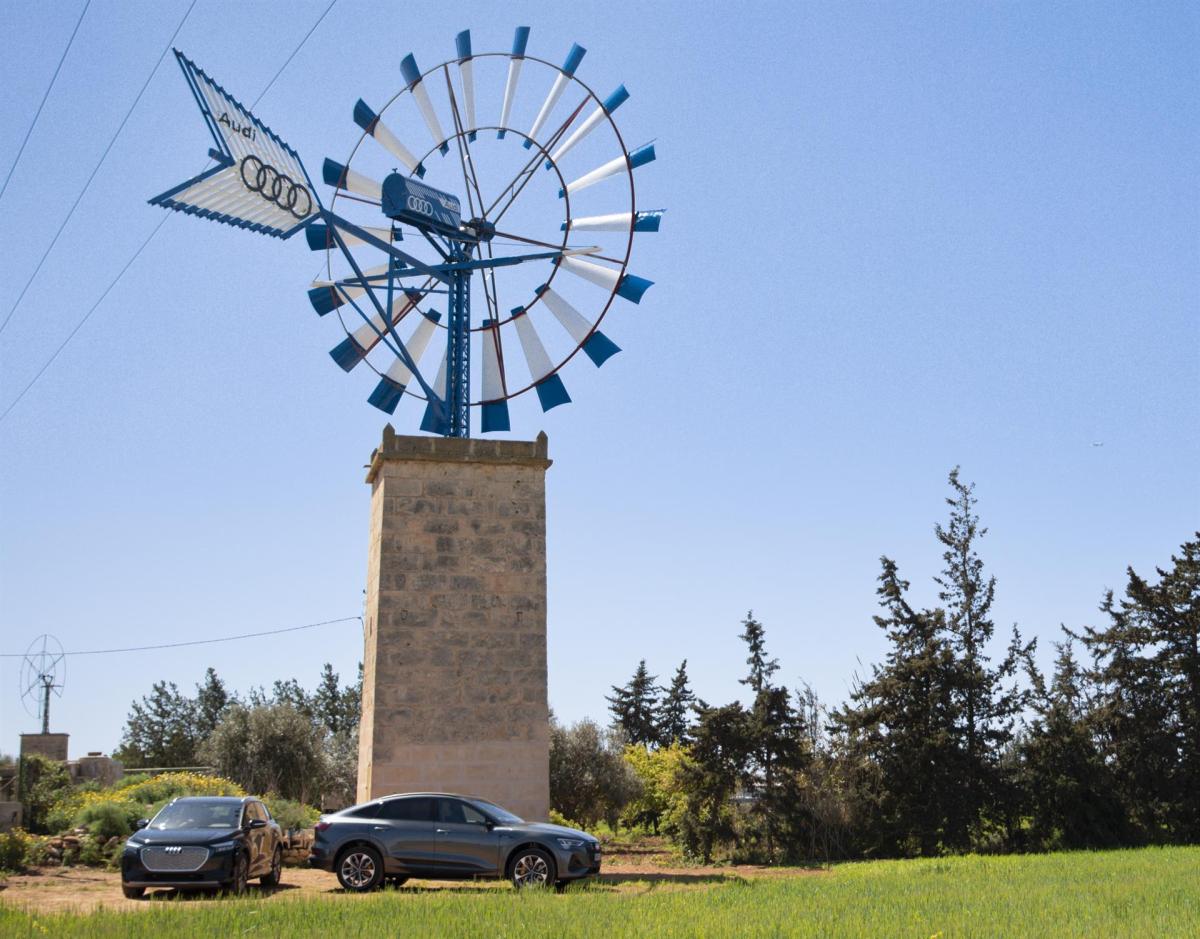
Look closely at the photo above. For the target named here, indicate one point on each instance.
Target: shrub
(589, 779)
(15, 848)
(43, 783)
(291, 815)
(109, 819)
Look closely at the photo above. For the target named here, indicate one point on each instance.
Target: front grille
(173, 858)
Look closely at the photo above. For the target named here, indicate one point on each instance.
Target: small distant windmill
(43, 671)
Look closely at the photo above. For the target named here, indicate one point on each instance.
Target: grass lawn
(1153, 891)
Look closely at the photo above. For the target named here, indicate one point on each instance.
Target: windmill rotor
(494, 180)
(43, 673)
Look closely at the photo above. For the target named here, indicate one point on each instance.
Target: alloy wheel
(358, 869)
(531, 870)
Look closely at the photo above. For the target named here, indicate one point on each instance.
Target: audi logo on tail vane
(276, 187)
(408, 200)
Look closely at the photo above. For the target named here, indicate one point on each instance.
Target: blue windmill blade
(565, 74)
(412, 78)
(369, 121)
(596, 346)
(628, 286)
(549, 387)
(647, 221)
(466, 74)
(520, 41)
(603, 110)
(342, 177)
(494, 410)
(393, 382)
(320, 238)
(431, 423)
(635, 158)
(259, 182)
(327, 295)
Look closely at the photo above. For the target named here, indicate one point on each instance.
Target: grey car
(439, 835)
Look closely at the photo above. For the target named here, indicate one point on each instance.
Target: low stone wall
(296, 845)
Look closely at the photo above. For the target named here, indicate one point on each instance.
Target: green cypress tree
(677, 705)
(761, 667)
(634, 707)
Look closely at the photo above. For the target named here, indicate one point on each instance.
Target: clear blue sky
(900, 237)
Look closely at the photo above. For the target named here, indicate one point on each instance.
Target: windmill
(520, 179)
(43, 672)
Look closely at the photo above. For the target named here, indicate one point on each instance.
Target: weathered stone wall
(53, 746)
(454, 671)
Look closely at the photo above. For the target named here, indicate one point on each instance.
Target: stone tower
(454, 671)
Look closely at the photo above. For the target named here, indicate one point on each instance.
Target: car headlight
(223, 846)
(569, 843)
(132, 845)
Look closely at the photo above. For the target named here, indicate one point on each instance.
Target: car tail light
(321, 826)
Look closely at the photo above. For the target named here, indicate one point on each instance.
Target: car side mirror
(489, 825)
(140, 824)
(256, 823)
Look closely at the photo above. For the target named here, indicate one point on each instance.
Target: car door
(258, 838)
(405, 827)
(467, 843)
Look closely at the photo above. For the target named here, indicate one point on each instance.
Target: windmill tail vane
(259, 183)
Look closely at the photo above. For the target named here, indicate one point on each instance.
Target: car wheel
(273, 876)
(360, 869)
(133, 893)
(237, 883)
(531, 867)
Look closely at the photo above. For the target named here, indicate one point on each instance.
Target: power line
(154, 231)
(38, 112)
(198, 642)
(96, 169)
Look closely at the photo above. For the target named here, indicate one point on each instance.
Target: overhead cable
(95, 169)
(198, 642)
(150, 237)
(38, 112)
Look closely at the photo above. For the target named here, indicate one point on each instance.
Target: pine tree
(988, 709)
(211, 701)
(900, 730)
(761, 668)
(1070, 794)
(328, 702)
(634, 707)
(718, 757)
(160, 729)
(1146, 662)
(676, 708)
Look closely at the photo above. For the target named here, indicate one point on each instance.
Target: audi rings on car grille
(276, 187)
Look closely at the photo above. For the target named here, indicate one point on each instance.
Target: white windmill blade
(327, 295)
(597, 346)
(354, 348)
(520, 41)
(466, 74)
(321, 238)
(412, 76)
(628, 286)
(550, 389)
(617, 221)
(494, 411)
(638, 157)
(392, 383)
(565, 74)
(342, 177)
(606, 107)
(369, 121)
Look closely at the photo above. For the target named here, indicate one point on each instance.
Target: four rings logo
(417, 204)
(276, 187)
(173, 849)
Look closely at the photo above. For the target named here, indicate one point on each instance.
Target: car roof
(230, 799)
(406, 795)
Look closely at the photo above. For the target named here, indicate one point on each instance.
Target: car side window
(459, 813)
(407, 810)
(259, 811)
(367, 811)
(264, 813)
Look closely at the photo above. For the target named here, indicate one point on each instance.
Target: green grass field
(1149, 892)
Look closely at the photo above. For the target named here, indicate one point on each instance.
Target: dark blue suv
(437, 835)
(204, 841)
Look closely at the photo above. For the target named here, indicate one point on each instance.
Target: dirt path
(82, 890)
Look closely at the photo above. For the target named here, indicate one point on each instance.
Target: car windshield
(198, 815)
(503, 816)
